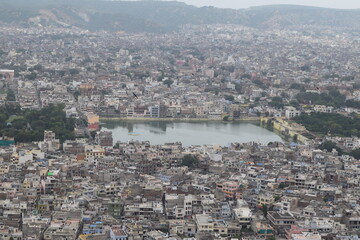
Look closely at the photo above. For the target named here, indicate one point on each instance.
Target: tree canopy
(330, 123)
(10, 95)
(190, 161)
(334, 98)
(329, 146)
(29, 125)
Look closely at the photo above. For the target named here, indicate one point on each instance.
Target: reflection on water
(190, 133)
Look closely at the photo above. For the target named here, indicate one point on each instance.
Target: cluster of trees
(305, 68)
(31, 76)
(297, 86)
(168, 82)
(352, 103)
(2, 52)
(355, 153)
(330, 123)
(29, 125)
(10, 95)
(335, 124)
(229, 98)
(333, 98)
(213, 89)
(259, 83)
(277, 102)
(238, 88)
(190, 161)
(329, 146)
(228, 68)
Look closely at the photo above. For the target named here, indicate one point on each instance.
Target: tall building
(104, 138)
(93, 121)
(86, 89)
(9, 78)
(9, 74)
(50, 143)
(158, 111)
(291, 112)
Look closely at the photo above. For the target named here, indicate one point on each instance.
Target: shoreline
(249, 119)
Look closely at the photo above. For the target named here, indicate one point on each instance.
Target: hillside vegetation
(160, 16)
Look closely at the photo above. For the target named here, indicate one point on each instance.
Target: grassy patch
(14, 117)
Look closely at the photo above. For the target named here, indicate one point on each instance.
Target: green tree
(355, 153)
(245, 76)
(305, 68)
(93, 134)
(259, 83)
(229, 98)
(38, 67)
(19, 124)
(3, 117)
(294, 103)
(333, 98)
(61, 73)
(10, 95)
(31, 76)
(190, 161)
(270, 124)
(238, 88)
(264, 209)
(74, 71)
(325, 123)
(296, 86)
(329, 146)
(168, 82)
(277, 102)
(30, 124)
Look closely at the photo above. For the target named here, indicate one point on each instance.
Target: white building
(291, 112)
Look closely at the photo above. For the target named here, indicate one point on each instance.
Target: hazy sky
(248, 3)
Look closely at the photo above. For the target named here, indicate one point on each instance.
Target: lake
(189, 132)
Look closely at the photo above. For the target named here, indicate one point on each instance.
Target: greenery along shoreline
(29, 125)
(335, 125)
(331, 124)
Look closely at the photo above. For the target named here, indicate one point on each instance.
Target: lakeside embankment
(249, 119)
(196, 132)
(286, 128)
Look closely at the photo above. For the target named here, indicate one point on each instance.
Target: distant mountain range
(164, 16)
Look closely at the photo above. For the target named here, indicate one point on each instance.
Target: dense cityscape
(63, 176)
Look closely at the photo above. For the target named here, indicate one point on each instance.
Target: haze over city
(346, 4)
(159, 120)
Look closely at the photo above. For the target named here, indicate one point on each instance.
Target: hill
(164, 16)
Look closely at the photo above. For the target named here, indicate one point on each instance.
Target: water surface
(189, 133)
